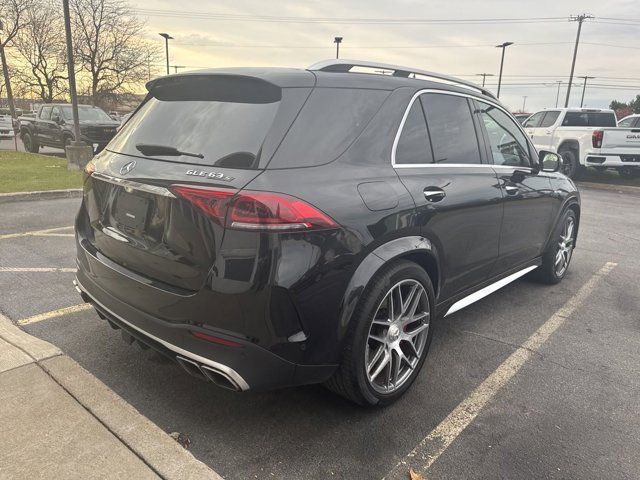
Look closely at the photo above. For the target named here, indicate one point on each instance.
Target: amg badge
(215, 175)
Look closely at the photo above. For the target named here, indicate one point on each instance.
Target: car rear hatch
(143, 213)
(624, 140)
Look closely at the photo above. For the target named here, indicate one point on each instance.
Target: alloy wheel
(397, 336)
(565, 247)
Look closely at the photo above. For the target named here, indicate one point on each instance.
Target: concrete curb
(610, 187)
(40, 195)
(149, 442)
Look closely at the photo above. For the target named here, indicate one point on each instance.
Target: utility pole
(584, 87)
(524, 102)
(559, 82)
(7, 80)
(484, 76)
(337, 41)
(166, 37)
(176, 67)
(575, 18)
(78, 154)
(503, 47)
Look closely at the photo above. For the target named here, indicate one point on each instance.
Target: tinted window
(550, 118)
(451, 130)
(508, 144)
(534, 120)
(45, 113)
(86, 114)
(589, 119)
(331, 119)
(226, 120)
(413, 145)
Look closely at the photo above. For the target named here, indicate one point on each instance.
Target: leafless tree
(13, 18)
(41, 52)
(110, 47)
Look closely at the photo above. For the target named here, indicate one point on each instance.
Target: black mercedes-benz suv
(275, 227)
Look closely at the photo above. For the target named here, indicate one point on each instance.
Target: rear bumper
(611, 161)
(243, 366)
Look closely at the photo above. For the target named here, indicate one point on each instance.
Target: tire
(570, 164)
(549, 272)
(366, 339)
(29, 144)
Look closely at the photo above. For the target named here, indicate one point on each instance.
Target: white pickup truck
(586, 137)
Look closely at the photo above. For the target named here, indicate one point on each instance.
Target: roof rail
(345, 66)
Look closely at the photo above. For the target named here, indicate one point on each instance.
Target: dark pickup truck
(53, 127)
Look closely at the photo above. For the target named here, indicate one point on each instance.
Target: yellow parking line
(36, 233)
(36, 269)
(53, 314)
(435, 444)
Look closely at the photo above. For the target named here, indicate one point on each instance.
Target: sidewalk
(59, 421)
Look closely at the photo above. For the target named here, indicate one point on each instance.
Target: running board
(488, 290)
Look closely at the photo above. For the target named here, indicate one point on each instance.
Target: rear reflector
(256, 211)
(212, 339)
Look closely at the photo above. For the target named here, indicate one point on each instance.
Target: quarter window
(627, 122)
(451, 130)
(413, 146)
(508, 144)
(534, 120)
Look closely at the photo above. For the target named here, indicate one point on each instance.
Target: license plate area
(131, 210)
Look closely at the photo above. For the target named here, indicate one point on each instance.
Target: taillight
(255, 211)
(596, 138)
(212, 339)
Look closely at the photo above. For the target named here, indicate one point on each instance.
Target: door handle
(511, 190)
(434, 194)
(548, 132)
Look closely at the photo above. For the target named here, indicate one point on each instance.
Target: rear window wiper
(157, 150)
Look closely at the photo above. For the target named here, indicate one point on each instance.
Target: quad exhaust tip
(207, 373)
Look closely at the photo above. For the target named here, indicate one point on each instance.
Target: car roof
(298, 77)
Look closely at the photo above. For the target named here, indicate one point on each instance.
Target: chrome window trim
(396, 140)
(131, 184)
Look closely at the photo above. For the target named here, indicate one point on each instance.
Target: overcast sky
(541, 53)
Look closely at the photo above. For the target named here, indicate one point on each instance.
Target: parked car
(277, 227)
(6, 126)
(521, 117)
(631, 121)
(53, 127)
(571, 133)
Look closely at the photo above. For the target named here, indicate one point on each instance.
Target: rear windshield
(219, 121)
(589, 119)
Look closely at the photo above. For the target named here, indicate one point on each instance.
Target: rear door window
(413, 145)
(589, 119)
(451, 130)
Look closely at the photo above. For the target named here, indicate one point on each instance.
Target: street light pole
(524, 102)
(337, 41)
(559, 82)
(579, 19)
(584, 87)
(166, 37)
(484, 76)
(503, 47)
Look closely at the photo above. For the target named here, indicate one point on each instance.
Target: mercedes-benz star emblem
(127, 167)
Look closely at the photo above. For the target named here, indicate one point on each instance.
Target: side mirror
(549, 161)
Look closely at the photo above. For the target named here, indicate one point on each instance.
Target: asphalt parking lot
(570, 411)
(9, 145)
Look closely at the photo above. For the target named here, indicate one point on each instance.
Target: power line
(338, 20)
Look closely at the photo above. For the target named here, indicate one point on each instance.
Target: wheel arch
(570, 204)
(570, 145)
(416, 249)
